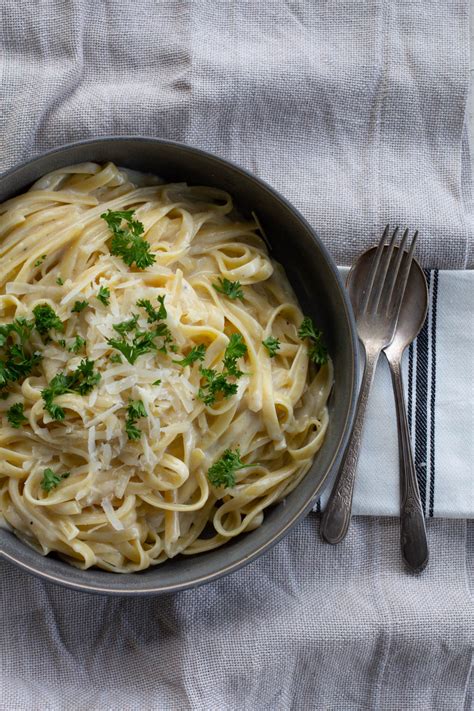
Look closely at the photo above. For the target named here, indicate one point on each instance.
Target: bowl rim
(303, 509)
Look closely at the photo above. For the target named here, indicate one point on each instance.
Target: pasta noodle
(111, 448)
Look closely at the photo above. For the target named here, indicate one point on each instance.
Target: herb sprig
(135, 411)
(218, 383)
(18, 362)
(196, 353)
(79, 306)
(232, 289)
(317, 352)
(127, 241)
(103, 295)
(46, 319)
(51, 480)
(222, 472)
(81, 381)
(272, 345)
(16, 416)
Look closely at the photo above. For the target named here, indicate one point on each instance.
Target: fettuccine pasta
(160, 386)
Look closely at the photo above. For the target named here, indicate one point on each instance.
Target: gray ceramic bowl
(319, 289)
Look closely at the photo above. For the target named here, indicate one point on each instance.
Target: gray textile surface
(355, 111)
(311, 627)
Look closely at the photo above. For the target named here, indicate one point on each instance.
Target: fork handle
(413, 540)
(337, 514)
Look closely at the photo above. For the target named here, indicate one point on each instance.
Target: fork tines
(389, 273)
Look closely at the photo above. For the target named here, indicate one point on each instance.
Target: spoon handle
(337, 514)
(412, 521)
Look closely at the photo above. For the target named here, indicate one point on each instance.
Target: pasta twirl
(129, 384)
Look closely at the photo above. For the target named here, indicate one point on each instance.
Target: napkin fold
(438, 375)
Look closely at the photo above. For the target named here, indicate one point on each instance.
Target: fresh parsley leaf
(77, 344)
(40, 261)
(157, 382)
(317, 350)
(196, 353)
(20, 326)
(62, 343)
(272, 345)
(59, 385)
(127, 242)
(115, 358)
(79, 306)
(215, 383)
(16, 416)
(103, 295)
(153, 314)
(135, 411)
(142, 343)
(17, 366)
(59, 281)
(307, 330)
(222, 472)
(236, 348)
(46, 319)
(232, 289)
(82, 381)
(51, 480)
(126, 326)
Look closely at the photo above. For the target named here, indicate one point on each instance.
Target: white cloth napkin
(438, 373)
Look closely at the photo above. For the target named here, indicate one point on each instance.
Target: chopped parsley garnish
(81, 381)
(143, 341)
(46, 319)
(20, 326)
(222, 472)
(127, 241)
(135, 411)
(126, 326)
(62, 343)
(317, 350)
(17, 366)
(153, 314)
(115, 358)
(59, 281)
(51, 480)
(79, 306)
(196, 353)
(18, 362)
(272, 345)
(40, 261)
(232, 289)
(157, 382)
(216, 383)
(236, 348)
(77, 344)
(103, 295)
(16, 416)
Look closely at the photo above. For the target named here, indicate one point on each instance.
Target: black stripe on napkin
(421, 407)
(410, 389)
(434, 309)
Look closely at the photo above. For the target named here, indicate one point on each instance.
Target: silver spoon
(412, 521)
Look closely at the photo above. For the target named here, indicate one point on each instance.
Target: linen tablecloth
(355, 111)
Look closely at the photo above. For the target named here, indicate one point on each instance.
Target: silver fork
(376, 302)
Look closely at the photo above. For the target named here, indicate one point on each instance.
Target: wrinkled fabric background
(355, 111)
